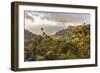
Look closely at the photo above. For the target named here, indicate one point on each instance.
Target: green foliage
(39, 58)
(70, 43)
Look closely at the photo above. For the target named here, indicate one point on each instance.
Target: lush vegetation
(70, 43)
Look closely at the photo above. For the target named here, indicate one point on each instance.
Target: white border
(23, 64)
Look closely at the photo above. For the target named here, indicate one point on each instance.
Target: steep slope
(74, 31)
(70, 43)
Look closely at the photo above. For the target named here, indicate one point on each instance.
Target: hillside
(70, 43)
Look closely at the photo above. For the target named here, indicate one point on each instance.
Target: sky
(52, 22)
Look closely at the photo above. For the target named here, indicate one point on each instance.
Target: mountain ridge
(70, 43)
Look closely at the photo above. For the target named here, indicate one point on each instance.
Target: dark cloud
(54, 21)
(63, 17)
(68, 17)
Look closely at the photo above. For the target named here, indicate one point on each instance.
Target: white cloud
(38, 21)
(50, 26)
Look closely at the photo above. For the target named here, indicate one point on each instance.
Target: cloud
(52, 22)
